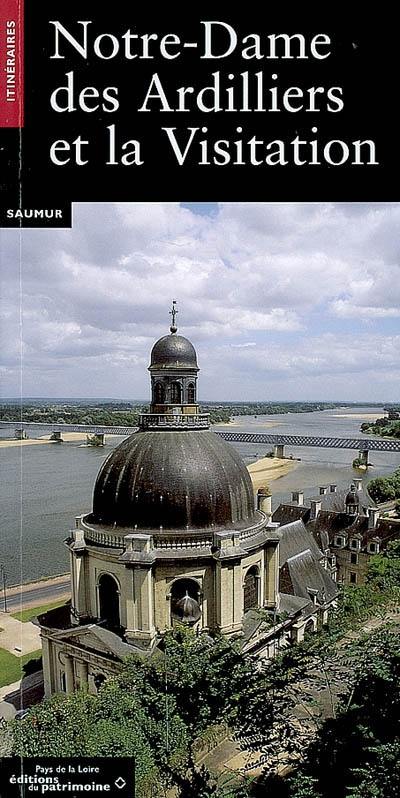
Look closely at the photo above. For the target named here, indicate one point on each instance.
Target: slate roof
(305, 574)
(286, 513)
(387, 529)
(336, 502)
(329, 524)
(92, 637)
(293, 604)
(295, 538)
(112, 641)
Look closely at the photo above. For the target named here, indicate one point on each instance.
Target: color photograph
(200, 457)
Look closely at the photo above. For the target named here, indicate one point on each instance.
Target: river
(44, 487)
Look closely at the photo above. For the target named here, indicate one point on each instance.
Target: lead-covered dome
(173, 351)
(184, 480)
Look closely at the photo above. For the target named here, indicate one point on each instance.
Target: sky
(281, 301)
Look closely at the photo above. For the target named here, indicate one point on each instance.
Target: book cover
(199, 413)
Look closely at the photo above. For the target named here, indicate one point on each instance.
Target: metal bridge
(362, 444)
(276, 440)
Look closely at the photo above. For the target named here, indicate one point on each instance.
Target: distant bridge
(363, 445)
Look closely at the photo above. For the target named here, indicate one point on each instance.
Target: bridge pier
(279, 450)
(363, 456)
(96, 439)
(20, 434)
(56, 436)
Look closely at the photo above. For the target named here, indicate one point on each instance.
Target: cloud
(276, 291)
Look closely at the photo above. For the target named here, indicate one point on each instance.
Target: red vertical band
(12, 63)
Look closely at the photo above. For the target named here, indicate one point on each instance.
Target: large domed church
(175, 536)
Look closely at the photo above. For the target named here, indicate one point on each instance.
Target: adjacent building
(346, 526)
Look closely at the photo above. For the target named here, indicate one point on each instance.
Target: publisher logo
(71, 776)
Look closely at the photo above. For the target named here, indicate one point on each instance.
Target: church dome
(183, 480)
(173, 351)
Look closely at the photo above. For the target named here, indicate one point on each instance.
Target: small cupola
(173, 368)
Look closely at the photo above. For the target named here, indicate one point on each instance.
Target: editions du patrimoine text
(252, 90)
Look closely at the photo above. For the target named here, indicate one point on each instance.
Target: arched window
(251, 591)
(159, 393)
(191, 393)
(176, 393)
(185, 601)
(109, 602)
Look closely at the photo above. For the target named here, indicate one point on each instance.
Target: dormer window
(339, 541)
(354, 544)
(373, 547)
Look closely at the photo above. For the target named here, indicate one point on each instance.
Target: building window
(190, 393)
(159, 393)
(176, 393)
(339, 541)
(63, 682)
(109, 602)
(251, 581)
(353, 578)
(185, 601)
(353, 559)
(354, 544)
(372, 547)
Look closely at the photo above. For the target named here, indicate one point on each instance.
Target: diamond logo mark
(120, 783)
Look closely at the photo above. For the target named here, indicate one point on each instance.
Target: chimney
(323, 490)
(332, 488)
(298, 497)
(264, 501)
(358, 483)
(373, 515)
(315, 507)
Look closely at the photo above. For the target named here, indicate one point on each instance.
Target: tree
(380, 778)
(383, 489)
(384, 569)
(204, 678)
(111, 724)
(303, 786)
(345, 753)
(153, 709)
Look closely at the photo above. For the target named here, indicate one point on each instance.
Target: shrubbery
(383, 489)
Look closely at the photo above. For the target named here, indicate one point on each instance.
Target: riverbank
(357, 416)
(68, 437)
(269, 469)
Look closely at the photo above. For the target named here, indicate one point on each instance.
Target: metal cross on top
(173, 313)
